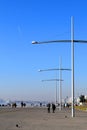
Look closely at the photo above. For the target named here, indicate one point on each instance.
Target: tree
(82, 98)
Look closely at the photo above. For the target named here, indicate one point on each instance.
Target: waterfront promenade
(38, 119)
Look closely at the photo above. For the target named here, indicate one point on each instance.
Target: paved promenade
(39, 119)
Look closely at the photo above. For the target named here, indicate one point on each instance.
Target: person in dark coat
(48, 106)
(53, 107)
(22, 104)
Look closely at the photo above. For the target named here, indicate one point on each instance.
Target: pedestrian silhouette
(48, 106)
(53, 107)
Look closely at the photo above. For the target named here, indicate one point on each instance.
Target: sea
(28, 103)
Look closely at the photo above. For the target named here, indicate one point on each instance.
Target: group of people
(23, 104)
(49, 107)
(14, 105)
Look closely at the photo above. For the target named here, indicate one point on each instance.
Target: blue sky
(21, 22)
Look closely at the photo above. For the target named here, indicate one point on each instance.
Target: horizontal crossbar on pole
(52, 80)
(54, 69)
(78, 41)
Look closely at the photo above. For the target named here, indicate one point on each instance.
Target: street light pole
(60, 80)
(72, 56)
(56, 93)
(60, 83)
(56, 90)
(72, 65)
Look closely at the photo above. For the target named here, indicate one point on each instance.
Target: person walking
(48, 106)
(53, 107)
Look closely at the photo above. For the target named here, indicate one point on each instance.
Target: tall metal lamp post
(72, 41)
(60, 79)
(56, 85)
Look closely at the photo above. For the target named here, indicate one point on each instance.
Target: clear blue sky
(21, 22)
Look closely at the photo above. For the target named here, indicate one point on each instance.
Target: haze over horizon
(23, 21)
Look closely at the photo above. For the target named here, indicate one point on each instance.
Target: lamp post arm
(53, 41)
(53, 69)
